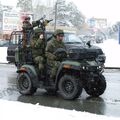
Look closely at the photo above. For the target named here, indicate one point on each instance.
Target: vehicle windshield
(72, 39)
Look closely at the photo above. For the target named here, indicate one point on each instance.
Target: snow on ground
(111, 48)
(3, 54)
(10, 110)
(16, 111)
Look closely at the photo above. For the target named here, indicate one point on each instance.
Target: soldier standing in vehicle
(52, 59)
(26, 24)
(38, 48)
(28, 29)
(29, 26)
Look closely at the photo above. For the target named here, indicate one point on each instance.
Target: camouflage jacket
(28, 26)
(38, 47)
(51, 47)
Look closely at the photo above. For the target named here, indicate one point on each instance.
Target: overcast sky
(91, 8)
(100, 8)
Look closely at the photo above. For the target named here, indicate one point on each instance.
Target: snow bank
(111, 48)
(10, 110)
(3, 55)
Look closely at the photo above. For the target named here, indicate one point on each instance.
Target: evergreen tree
(59, 12)
(68, 13)
(60, 9)
(74, 15)
(40, 11)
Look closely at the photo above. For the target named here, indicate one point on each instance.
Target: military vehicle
(82, 68)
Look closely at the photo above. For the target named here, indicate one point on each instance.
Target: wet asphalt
(107, 104)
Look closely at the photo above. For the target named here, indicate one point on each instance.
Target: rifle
(41, 23)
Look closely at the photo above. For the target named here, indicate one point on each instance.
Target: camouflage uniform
(26, 24)
(38, 49)
(28, 30)
(52, 59)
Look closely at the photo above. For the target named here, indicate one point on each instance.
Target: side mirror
(89, 43)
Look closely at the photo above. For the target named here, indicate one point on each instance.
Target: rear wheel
(25, 85)
(96, 87)
(70, 87)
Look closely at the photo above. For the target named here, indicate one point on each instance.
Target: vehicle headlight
(83, 67)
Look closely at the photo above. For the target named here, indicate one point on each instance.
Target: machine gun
(24, 43)
(41, 23)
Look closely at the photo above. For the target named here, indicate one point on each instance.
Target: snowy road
(107, 104)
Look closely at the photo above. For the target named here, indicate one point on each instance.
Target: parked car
(70, 40)
(4, 43)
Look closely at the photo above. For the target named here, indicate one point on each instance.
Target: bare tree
(25, 5)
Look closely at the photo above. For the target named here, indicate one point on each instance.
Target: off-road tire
(97, 88)
(69, 87)
(24, 84)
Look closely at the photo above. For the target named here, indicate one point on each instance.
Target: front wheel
(70, 87)
(25, 85)
(96, 87)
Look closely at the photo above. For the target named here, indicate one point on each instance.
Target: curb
(111, 67)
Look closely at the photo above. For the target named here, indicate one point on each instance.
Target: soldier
(27, 31)
(38, 48)
(26, 24)
(29, 26)
(52, 59)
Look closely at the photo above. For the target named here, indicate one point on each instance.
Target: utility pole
(56, 11)
(119, 33)
(55, 15)
(118, 25)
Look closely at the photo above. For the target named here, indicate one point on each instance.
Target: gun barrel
(50, 20)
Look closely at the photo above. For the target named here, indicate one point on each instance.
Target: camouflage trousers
(39, 60)
(54, 67)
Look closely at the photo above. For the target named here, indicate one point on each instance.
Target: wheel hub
(25, 83)
(68, 85)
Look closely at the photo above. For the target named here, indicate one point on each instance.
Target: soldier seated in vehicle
(38, 49)
(53, 44)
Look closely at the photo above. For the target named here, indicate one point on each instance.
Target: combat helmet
(27, 18)
(58, 32)
(38, 30)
